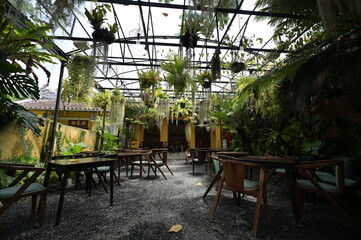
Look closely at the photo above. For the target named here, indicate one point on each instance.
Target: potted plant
(182, 108)
(97, 18)
(177, 74)
(148, 79)
(216, 66)
(81, 79)
(205, 79)
(192, 25)
(237, 66)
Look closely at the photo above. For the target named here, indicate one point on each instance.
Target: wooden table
(65, 166)
(288, 164)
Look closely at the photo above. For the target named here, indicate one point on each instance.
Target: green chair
(14, 191)
(333, 193)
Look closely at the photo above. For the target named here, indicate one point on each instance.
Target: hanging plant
(177, 74)
(97, 18)
(204, 106)
(216, 66)
(205, 79)
(191, 28)
(162, 103)
(116, 116)
(149, 79)
(81, 79)
(102, 100)
(237, 66)
(104, 35)
(182, 108)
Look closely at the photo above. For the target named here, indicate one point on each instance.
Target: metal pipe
(56, 111)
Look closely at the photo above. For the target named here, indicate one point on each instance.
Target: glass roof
(148, 31)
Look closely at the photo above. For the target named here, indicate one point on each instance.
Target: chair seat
(332, 180)
(280, 171)
(138, 162)
(103, 169)
(320, 173)
(248, 184)
(7, 193)
(325, 186)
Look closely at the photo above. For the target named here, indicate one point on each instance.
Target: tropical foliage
(177, 75)
(20, 55)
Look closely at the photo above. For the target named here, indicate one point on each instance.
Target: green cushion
(249, 184)
(159, 162)
(103, 169)
(280, 170)
(332, 180)
(325, 186)
(138, 162)
(320, 173)
(10, 191)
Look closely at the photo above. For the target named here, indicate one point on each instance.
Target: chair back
(201, 155)
(307, 170)
(234, 172)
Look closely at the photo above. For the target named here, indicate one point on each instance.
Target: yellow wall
(138, 136)
(164, 132)
(192, 143)
(215, 134)
(10, 142)
(73, 135)
(65, 116)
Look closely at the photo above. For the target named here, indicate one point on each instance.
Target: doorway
(203, 137)
(177, 141)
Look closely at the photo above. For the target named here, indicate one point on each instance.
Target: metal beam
(173, 44)
(186, 7)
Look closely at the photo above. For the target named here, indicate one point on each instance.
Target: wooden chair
(200, 156)
(233, 179)
(163, 155)
(15, 191)
(333, 193)
(144, 161)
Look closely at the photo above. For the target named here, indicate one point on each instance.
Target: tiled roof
(47, 104)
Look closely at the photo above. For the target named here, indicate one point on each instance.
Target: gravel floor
(148, 208)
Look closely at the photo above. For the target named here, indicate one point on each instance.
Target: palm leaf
(15, 82)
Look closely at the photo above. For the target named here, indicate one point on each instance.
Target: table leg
(216, 177)
(47, 176)
(291, 187)
(111, 182)
(63, 180)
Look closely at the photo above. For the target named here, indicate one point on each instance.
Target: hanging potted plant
(97, 18)
(149, 79)
(116, 115)
(205, 79)
(177, 74)
(216, 66)
(162, 105)
(81, 79)
(104, 35)
(237, 66)
(192, 26)
(181, 108)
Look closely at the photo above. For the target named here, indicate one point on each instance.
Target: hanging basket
(103, 35)
(236, 66)
(189, 40)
